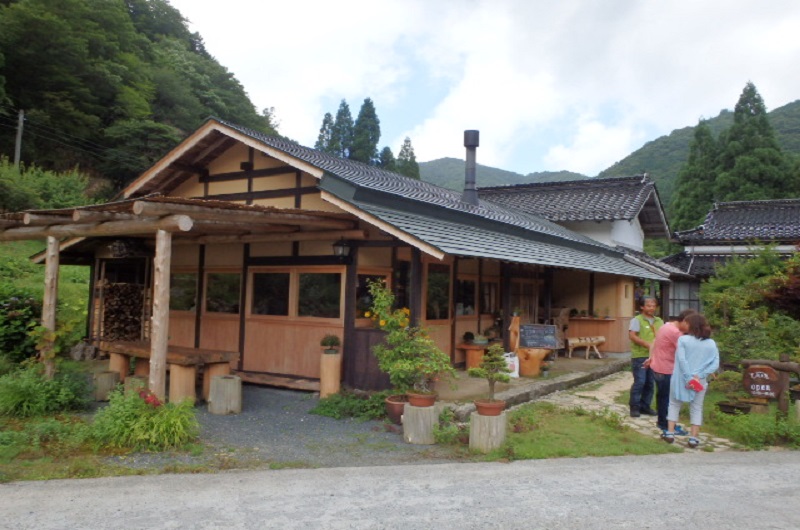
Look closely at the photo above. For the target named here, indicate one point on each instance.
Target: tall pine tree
(324, 138)
(694, 193)
(407, 161)
(751, 164)
(366, 134)
(341, 142)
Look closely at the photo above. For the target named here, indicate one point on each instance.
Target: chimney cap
(471, 138)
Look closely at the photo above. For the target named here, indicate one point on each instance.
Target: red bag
(695, 385)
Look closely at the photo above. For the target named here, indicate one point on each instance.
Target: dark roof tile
(747, 221)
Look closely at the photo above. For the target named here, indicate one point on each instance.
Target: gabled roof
(697, 265)
(595, 199)
(432, 218)
(645, 260)
(747, 221)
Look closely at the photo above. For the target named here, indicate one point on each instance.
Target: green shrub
(757, 431)
(729, 383)
(141, 422)
(349, 405)
(448, 431)
(26, 392)
(19, 315)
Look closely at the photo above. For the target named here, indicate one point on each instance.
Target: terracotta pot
(394, 408)
(421, 400)
(490, 408)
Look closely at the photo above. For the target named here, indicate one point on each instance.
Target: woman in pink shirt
(662, 362)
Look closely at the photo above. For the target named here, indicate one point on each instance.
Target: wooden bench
(182, 362)
(590, 343)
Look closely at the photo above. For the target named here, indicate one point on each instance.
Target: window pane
(222, 293)
(438, 300)
(465, 297)
(271, 293)
(363, 298)
(489, 298)
(320, 295)
(183, 291)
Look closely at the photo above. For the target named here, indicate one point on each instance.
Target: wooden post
(120, 363)
(418, 423)
(226, 395)
(182, 381)
(159, 336)
(486, 433)
(104, 383)
(210, 371)
(330, 374)
(46, 354)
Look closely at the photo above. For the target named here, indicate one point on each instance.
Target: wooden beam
(265, 194)
(44, 219)
(49, 305)
(9, 222)
(159, 329)
(254, 173)
(93, 216)
(204, 213)
(172, 223)
(321, 235)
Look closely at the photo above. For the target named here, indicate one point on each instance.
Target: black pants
(642, 388)
(662, 397)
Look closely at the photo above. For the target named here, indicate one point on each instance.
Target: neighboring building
(731, 228)
(248, 223)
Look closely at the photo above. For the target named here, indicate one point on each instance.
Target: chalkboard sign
(538, 336)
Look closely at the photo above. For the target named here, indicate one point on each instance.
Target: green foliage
(341, 140)
(366, 134)
(694, 191)
(20, 313)
(782, 291)
(350, 405)
(386, 160)
(130, 421)
(448, 431)
(409, 355)
(736, 306)
(756, 431)
(729, 383)
(330, 341)
(26, 392)
(493, 368)
(324, 139)
(407, 161)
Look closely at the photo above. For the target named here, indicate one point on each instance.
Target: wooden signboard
(538, 336)
(762, 381)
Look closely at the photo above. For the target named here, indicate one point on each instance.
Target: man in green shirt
(642, 331)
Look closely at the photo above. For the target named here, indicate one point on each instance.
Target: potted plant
(493, 368)
(409, 355)
(330, 343)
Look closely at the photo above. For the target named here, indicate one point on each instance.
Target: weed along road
(727, 490)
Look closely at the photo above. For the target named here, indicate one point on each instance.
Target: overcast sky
(551, 85)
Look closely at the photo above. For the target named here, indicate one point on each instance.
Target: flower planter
(394, 408)
(729, 407)
(421, 400)
(486, 407)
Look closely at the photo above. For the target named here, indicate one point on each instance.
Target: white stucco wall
(612, 233)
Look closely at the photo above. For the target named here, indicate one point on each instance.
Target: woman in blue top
(696, 358)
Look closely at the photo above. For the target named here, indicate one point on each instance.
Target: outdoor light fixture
(341, 248)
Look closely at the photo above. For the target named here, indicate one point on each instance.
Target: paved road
(730, 490)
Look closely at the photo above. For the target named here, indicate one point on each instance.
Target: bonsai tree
(330, 342)
(493, 368)
(409, 355)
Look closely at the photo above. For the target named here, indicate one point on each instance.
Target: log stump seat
(182, 363)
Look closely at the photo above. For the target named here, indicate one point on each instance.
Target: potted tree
(330, 343)
(409, 355)
(493, 368)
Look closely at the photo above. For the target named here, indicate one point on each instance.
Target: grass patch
(542, 430)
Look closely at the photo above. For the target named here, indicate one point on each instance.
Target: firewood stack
(122, 311)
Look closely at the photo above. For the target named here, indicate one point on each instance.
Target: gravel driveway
(276, 429)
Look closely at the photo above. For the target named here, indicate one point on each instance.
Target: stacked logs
(122, 311)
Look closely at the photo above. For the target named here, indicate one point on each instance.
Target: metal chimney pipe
(471, 141)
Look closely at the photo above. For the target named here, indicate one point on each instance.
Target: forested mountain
(449, 173)
(108, 85)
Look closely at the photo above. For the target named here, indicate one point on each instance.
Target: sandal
(680, 431)
(668, 437)
(693, 442)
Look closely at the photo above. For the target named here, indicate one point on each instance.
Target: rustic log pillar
(104, 383)
(142, 368)
(46, 354)
(226, 395)
(120, 363)
(418, 423)
(159, 335)
(212, 370)
(182, 381)
(486, 433)
(330, 374)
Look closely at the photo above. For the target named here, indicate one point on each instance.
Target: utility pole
(18, 144)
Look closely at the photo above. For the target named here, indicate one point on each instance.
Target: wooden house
(237, 241)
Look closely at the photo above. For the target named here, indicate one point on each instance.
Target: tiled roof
(698, 265)
(746, 221)
(649, 261)
(596, 199)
